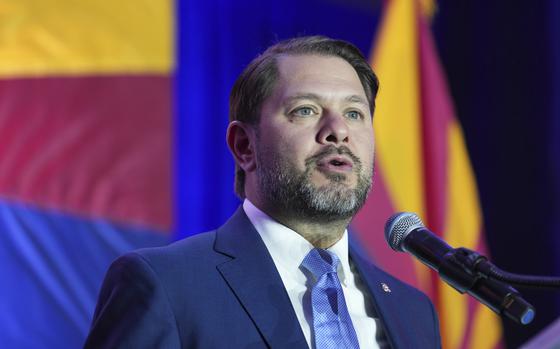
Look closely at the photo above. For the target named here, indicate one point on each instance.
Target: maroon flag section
(97, 147)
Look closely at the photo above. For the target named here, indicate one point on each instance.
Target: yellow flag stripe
(464, 220)
(464, 226)
(85, 37)
(453, 313)
(486, 332)
(397, 120)
(399, 154)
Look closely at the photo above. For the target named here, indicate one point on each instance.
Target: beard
(290, 191)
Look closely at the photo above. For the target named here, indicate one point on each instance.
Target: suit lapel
(253, 278)
(386, 302)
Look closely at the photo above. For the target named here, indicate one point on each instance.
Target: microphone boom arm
(458, 271)
(457, 268)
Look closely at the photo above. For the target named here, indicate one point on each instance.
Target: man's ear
(240, 138)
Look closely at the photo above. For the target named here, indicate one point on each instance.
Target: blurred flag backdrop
(85, 155)
(112, 126)
(424, 167)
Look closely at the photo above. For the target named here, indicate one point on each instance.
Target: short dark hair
(257, 81)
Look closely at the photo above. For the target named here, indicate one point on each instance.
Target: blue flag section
(52, 268)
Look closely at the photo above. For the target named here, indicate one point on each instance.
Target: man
(280, 272)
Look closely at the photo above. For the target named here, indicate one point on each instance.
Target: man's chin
(347, 180)
(333, 205)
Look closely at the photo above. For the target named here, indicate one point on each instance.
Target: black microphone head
(398, 226)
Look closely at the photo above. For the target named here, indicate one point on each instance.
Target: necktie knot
(320, 262)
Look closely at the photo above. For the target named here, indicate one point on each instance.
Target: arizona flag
(85, 155)
(423, 167)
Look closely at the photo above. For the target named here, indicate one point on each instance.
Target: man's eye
(353, 114)
(304, 111)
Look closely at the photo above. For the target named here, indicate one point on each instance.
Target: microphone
(459, 267)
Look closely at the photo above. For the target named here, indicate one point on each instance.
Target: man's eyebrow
(303, 96)
(314, 97)
(357, 99)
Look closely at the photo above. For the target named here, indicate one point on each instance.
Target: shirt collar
(287, 248)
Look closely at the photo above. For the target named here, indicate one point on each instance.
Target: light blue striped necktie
(332, 325)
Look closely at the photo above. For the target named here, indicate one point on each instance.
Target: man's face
(314, 146)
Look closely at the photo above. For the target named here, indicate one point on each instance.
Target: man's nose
(333, 129)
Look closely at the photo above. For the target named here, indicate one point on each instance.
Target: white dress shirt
(288, 249)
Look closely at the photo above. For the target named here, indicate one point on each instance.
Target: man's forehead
(305, 75)
(308, 64)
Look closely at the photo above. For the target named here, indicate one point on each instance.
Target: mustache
(333, 150)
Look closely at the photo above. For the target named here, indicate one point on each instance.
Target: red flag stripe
(95, 146)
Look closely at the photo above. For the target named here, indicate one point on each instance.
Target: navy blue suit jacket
(220, 289)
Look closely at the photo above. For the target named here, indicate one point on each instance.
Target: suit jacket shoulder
(130, 302)
(213, 290)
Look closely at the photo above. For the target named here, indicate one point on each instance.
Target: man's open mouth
(336, 163)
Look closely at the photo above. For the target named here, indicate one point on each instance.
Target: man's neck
(321, 234)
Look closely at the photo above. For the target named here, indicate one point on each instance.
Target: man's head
(301, 128)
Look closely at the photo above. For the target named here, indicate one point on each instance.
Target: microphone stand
(481, 265)
(468, 271)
